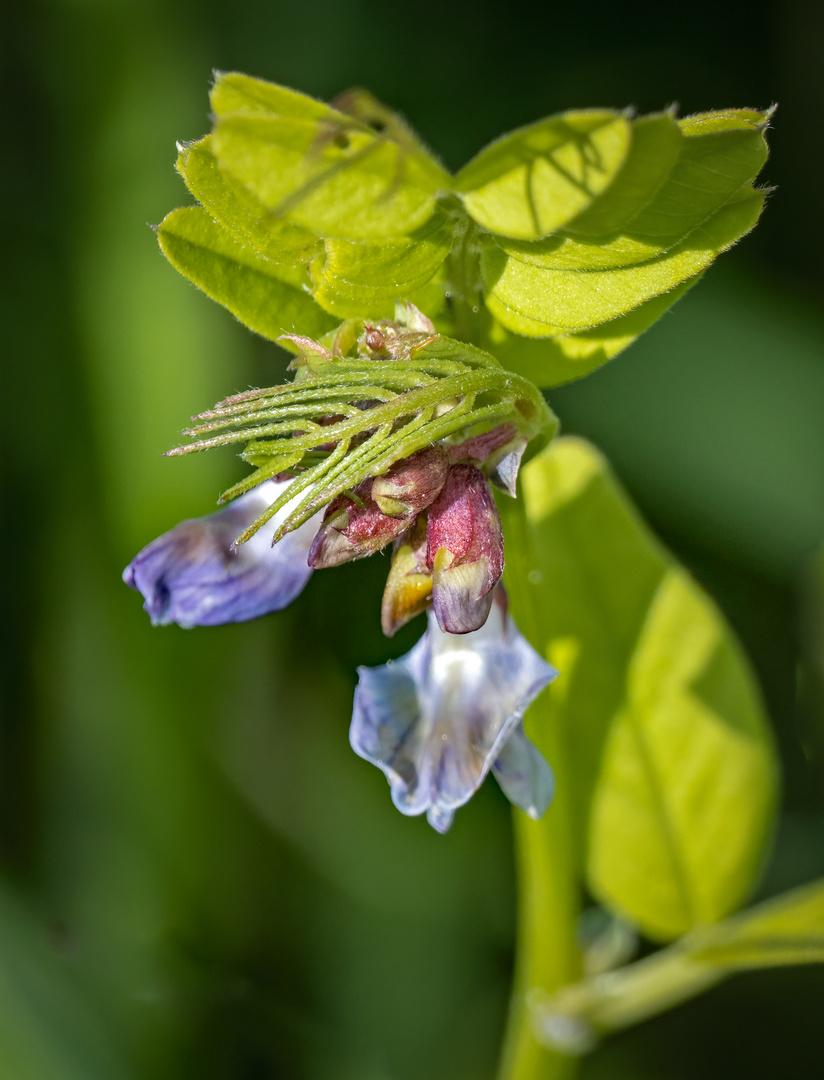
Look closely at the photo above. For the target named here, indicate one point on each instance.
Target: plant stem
(547, 956)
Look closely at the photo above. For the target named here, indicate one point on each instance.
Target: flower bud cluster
(389, 435)
(393, 433)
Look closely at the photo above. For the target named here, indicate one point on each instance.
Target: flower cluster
(439, 719)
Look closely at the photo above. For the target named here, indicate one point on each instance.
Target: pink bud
(353, 529)
(410, 485)
(465, 550)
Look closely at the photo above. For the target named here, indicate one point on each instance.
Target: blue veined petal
(438, 719)
(194, 577)
(523, 774)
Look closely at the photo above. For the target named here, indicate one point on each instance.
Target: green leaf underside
(552, 361)
(662, 726)
(237, 210)
(532, 301)
(534, 180)
(323, 170)
(235, 93)
(237, 277)
(363, 280)
(708, 171)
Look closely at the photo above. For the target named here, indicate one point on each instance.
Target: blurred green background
(199, 878)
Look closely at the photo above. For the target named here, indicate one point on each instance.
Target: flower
(437, 720)
(388, 432)
(194, 575)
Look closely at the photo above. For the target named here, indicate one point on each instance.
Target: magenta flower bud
(353, 528)
(465, 550)
(383, 508)
(413, 483)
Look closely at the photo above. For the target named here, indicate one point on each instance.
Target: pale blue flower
(194, 576)
(437, 720)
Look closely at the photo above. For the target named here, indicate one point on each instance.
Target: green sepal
(348, 417)
(235, 275)
(534, 180)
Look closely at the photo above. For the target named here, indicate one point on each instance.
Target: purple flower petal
(438, 719)
(193, 575)
(524, 775)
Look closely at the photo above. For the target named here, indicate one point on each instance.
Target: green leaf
(647, 211)
(532, 181)
(250, 286)
(783, 931)
(533, 301)
(786, 930)
(360, 280)
(552, 361)
(665, 744)
(237, 210)
(234, 93)
(656, 143)
(321, 168)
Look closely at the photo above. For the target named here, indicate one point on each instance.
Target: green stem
(547, 956)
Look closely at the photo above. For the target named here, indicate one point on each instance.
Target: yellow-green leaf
(655, 145)
(665, 743)
(237, 276)
(530, 300)
(235, 93)
(788, 929)
(357, 279)
(236, 209)
(319, 167)
(643, 214)
(532, 181)
(552, 361)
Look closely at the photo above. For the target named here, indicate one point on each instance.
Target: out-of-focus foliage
(166, 797)
(788, 930)
(578, 231)
(49, 1029)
